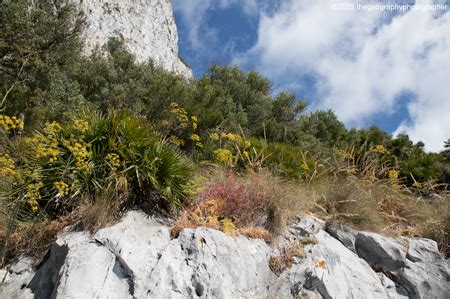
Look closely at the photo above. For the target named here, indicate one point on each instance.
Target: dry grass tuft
(379, 207)
(32, 239)
(93, 215)
(256, 233)
(204, 214)
(278, 264)
(309, 240)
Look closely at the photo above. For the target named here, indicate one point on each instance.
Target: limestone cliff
(147, 28)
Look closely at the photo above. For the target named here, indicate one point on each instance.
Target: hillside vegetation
(84, 138)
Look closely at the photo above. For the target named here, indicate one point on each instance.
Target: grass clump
(280, 263)
(380, 207)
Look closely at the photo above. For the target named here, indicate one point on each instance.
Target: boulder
(414, 263)
(344, 234)
(380, 252)
(331, 270)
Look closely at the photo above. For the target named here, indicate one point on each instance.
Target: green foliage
(323, 126)
(38, 44)
(92, 153)
(118, 81)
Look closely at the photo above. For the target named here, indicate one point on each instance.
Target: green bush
(92, 153)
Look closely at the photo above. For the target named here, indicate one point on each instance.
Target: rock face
(147, 28)
(137, 258)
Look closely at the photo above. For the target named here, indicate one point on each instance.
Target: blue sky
(371, 64)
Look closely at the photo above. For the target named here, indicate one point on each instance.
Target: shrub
(255, 202)
(90, 154)
(242, 201)
(290, 161)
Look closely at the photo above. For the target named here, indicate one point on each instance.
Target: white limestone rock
(328, 268)
(137, 258)
(147, 28)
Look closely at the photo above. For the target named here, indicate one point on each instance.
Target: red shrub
(242, 201)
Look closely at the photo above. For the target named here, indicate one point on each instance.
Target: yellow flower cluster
(113, 160)
(194, 122)
(47, 146)
(417, 185)
(233, 138)
(214, 136)
(34, 205)
(52, 128)
(175, 140)
(233, 147)
(52, 152)
(393, 174)
(62, 188)
(380, 149)
(80, 151)
(7, 166)
(195, 137)
(185, 123)
(223, 155)
(33, 195)
(344, 154)
(81, 125)
(10, 123)
(180, 114)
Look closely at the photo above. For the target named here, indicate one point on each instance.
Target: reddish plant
(242, 201)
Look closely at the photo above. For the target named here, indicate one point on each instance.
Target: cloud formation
(194, 14)
(362, 62)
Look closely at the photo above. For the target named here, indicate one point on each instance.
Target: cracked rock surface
(137, 258)
(147, 28)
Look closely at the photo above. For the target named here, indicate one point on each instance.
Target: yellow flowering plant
(66, 161)
(11, 123)
(7, 166)
(234, 150)
(380, 149)
(181, 127)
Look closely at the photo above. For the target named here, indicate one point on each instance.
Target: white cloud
(362, 61)
(194, 17)
(193, 14)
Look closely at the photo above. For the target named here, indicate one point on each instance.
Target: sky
(384, 63)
